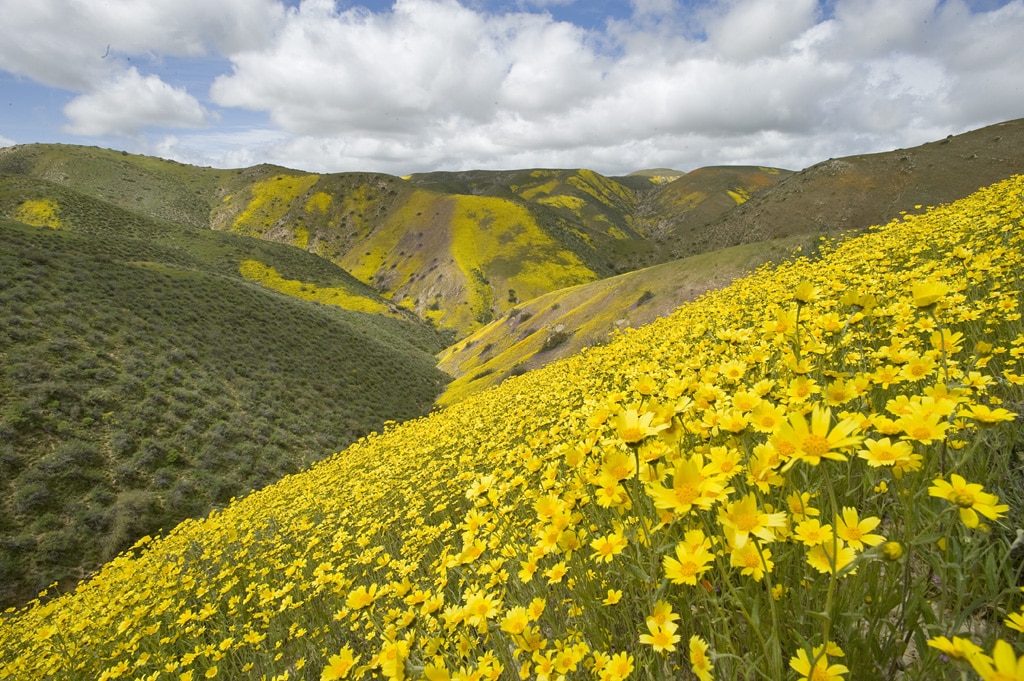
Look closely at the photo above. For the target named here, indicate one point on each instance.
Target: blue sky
(416, 85)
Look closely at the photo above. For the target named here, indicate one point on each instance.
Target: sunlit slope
(143, 380)
(676, 214)
(590, 213)
(768, 472)
(151, 186)
(855, 191)
(561, 323)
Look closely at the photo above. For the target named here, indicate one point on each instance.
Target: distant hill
(144, 379)
(675, 214)
(458, 249)
(854, 192)
(559, 324)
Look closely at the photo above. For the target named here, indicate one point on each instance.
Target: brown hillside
(855, 192)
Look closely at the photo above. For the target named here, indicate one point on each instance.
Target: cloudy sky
(415, 85)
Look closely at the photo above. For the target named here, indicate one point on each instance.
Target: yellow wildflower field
(815, 473)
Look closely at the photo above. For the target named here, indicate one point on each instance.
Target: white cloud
(5, 142)
(129, 103)
(748, 29)
(447, 84)
(76, 45)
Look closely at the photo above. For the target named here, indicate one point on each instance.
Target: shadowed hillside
(144, 380)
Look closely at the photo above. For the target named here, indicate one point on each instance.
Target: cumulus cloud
(5, 142)
(445, 84)
(76, 45)
(130, 102)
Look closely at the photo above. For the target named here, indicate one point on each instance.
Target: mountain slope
(456, 248)
(559, 324)
(751, 484)
(143, 380)
(854, 192)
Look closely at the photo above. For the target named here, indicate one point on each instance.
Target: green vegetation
(144, 381)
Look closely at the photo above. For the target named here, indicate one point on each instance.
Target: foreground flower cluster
(813, 474)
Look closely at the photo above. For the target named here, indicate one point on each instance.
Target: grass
(814, 472)
(144, 380)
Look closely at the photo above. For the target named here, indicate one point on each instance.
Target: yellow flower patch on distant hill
(39, 213)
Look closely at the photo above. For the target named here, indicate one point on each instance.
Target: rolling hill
(144, 379)
(853, 192)
(458, 249)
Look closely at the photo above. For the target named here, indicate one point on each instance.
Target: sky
(419, 85)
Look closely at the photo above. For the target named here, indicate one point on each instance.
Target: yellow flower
(884, 452)
(613, 597)
(856, 532)
(1015, 621)
(928, 293)
(799, 506)
(515, 620)
(819, 669)
(691, 486)
(816, 440)
(752, 560)
(607, 547)
(691, 561)
(361, 597)
(810, 532)
(1004, 665)
(831, 557)
(805, 292)
(556, 572)
(970, 499)
(617, 668)
(662, 637)
(984, 414)
(700, 662)
(923, 426)
(662, 613)
(957, 649)
(632, 427)
(742, 518)
(892, 550)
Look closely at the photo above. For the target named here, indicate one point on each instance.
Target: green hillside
(559, 324)
(814, 472)
(458, 249)
(144, 380)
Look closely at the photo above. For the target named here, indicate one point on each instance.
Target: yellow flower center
(815, 445)
(963, 499)
(746, 522)
(685, 494)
